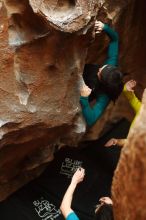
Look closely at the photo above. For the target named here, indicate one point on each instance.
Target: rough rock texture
(129, 182)
(40, 68)
(43, 48)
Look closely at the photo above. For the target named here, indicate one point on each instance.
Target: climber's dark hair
(112, 81)
(105, 212)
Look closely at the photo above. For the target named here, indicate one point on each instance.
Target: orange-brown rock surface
(43, 48)
(129, 182)
(40, 68)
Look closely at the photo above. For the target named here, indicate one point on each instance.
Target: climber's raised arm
(65, 207)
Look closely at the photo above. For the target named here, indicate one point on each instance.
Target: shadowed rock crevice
(128, 22)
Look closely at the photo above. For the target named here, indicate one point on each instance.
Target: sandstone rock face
(129, 182)
(44, 45)
(40, 68)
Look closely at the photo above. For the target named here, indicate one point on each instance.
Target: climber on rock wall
(135, 104)
(102, 84)
(102, 211)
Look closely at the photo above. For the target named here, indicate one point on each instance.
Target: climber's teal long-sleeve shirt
(92, 114)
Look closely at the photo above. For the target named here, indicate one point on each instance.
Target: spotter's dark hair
(105, 212)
